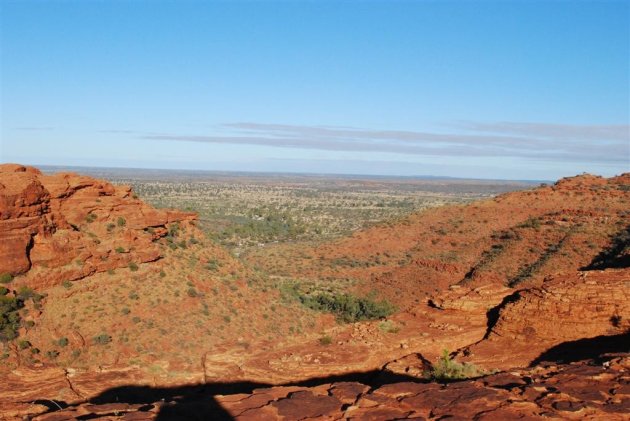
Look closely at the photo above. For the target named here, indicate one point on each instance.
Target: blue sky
(515, 90)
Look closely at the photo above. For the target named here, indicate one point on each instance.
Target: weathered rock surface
(565, 308)
(67, 227)
(588, 389)
(64, 227)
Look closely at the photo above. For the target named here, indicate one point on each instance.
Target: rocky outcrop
(589, 389)
(565, 308)
(64, 227)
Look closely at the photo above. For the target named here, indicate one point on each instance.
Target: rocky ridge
(64, 227)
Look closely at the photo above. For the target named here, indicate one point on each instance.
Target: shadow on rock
(197, 402)
(582, 349)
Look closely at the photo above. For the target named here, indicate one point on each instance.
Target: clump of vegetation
(213, 265)
(102, 339)
(448, 369)
(5, 278)
(91, 217)
(10, 306)
(9, 317)
(121, 222)
(67, 284)
(325, 340)
(52, 354)
(133, 266)
(347, 307)
(388, 326)
(23, 344)
(120, 249)
(531, 223)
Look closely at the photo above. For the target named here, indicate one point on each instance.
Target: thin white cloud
(547, 142)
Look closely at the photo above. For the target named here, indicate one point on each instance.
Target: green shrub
(388, 326)
(121, 222)
(192, 292)
(213, 265)
(531, 223)
(23, 344)
(90, 218)
(63, 342)
(448, 369)
(67, 284)
(325, 340)
(348, 308)
(102, 339)
(52, 354)
(25, 293)
(5, 278)
(110, 227)
(133, 267)
(120, 249)
(3, 291)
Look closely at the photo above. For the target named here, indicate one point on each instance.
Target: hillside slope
(514, 240)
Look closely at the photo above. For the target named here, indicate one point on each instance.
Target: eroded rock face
(589, 389)
(63, 227)
(565, 308)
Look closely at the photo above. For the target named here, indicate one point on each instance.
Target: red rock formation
(587, 389)
(565, 308)
(66, 226)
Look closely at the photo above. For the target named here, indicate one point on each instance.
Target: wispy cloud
(617, 132)
(557, 142)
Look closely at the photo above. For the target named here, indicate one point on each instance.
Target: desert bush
(120, 249)
(448, 369)
(133, 266)
(388, 326)
(63, 342)
(121, 222)
(52, 354)
(90, 218)
(23, 344)
(102, 339)
(531, 223)
(5, 278)
(325, 340)
(348, 308)
(67, 284)
(213, 265)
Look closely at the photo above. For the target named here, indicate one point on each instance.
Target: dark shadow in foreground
(197, 402)
(582, 349)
